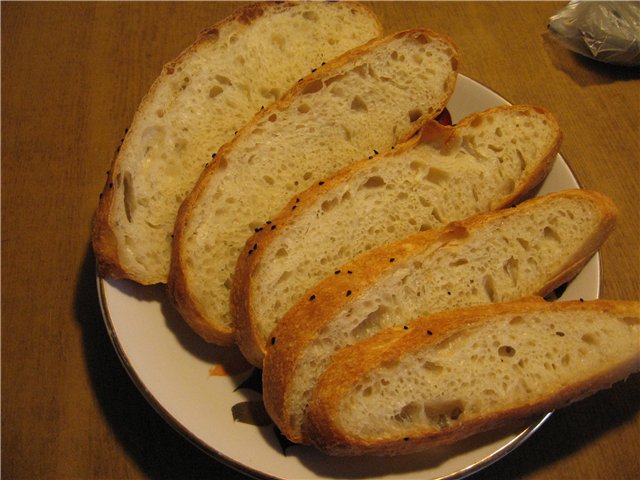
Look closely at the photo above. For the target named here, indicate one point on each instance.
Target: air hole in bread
(590, 339)
(437, 215)
(304, 108)
(215, 91)
(285, 275)
(313, 16)
(273, 117)
(129, 198)
(335, 78)
(432, 367)
(551, 234)
(631, 321)
(223, 80)
(409, 413)
(362, 70)
(522, 164)
(313, 87)
(281, 253)
(440, 414)
(347, 133)
(518, 320)
(346, 196)
(328, 205)
(415, 114)
(474, 192)
(358, 104)
(477, 121)
(422, 39)
(508, 185)
(489, 288)
(437, 176)
(498, 132)
(271, 94)
(511, 268)
(160, 113)
(523, 243)
(458, 262)
(417, 165)
(506, 351)
(268, 180)
(373, 322)
(373, 182)
(496, 148)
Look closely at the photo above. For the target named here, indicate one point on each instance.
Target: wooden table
(72, 76)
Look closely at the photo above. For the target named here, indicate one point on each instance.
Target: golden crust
(247, 333)
(307, 318)
(178, 285)
(386, 347)
(104, 239)
(104, 243)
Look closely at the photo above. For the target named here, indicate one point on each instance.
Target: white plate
(174, 368)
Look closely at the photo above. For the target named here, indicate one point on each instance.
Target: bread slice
(495, 257)
(200, 99)
(457, 373)
(488, 161)
(367, 100)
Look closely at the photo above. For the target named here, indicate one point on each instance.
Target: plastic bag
(606, 31)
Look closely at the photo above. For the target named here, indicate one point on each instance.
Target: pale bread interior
(487, 162)
(197, 104)
(370, 102)
(502, 259)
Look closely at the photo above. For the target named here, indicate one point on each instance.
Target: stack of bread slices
(289, 179)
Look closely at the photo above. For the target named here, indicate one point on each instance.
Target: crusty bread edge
(103, 238)
(309, 317)
(178, 285)
(387, 346)
(247, 333)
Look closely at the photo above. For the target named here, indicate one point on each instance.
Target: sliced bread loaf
(488, 161)
(460, 372)
(367, 100)
(196, 104)
(495, 257)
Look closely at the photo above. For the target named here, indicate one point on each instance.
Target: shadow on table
(159, 451)
(585, 71)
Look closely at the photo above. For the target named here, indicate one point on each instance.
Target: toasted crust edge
(287, 343)
(356, 361)
(178, 284)
(103, 238)
(247, 332)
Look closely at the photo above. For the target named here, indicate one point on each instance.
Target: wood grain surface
(72, 77)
